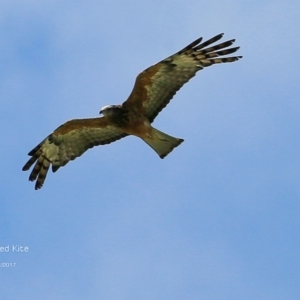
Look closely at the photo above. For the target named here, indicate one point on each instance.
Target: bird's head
(109, 109)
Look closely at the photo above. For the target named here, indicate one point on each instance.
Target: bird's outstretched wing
(156, 86)
(66, 143)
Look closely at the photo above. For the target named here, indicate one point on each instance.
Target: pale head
(108, 109)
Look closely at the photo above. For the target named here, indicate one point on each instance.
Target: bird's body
(153, 90)
(132, 122)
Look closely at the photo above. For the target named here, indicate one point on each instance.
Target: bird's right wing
(68, 142)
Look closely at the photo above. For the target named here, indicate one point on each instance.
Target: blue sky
(217, 219)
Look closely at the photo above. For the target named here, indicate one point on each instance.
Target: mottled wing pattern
(156, 86)
(68, 142)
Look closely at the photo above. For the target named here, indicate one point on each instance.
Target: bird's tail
(162, 143)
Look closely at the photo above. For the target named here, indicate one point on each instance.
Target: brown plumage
(153, 90)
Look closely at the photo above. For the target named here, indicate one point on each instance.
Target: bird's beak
(100, 112)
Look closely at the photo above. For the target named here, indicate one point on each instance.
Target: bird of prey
(152, 91)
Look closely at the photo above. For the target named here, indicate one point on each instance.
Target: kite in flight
(153, 90)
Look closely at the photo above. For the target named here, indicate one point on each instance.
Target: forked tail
(162, 143)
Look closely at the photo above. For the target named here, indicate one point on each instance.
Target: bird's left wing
(67, 142)
(156, 86)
